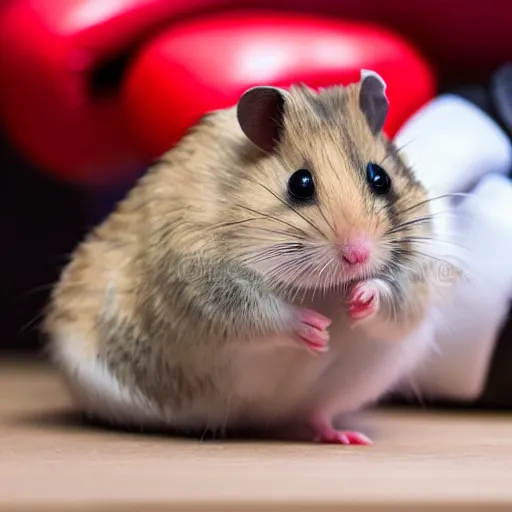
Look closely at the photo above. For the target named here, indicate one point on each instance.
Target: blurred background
(91, 91)
(41, 221)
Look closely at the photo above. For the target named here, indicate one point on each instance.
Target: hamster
(267, 273)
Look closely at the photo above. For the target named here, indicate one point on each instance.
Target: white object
(466, 329)
(454, 146)
(451, 144)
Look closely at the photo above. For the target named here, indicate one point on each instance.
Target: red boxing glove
(63, 63)
(56, 57)
(205, 64)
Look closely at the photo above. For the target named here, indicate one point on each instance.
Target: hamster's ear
(260, 114)
(372, 99)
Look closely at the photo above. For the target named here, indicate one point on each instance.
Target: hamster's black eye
(378, 178)
(301, 186)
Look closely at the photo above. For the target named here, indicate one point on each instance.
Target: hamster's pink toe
(314, 319)
(311, 330)
(327, 434)
(363, 300)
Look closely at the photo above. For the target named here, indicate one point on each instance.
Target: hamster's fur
(186, 307)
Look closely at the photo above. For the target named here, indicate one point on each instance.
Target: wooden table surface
(420, 461)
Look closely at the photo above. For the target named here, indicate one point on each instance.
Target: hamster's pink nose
(356, 251)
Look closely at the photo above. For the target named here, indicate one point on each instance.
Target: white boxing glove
(467, 326)
(451, 144)
(454, 146)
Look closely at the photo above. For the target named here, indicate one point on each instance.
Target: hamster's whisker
(395, 150)
(393, 308)
(420, 220)
(257, 242)
(400, 266)
(396, 200)
(439, 237)
(281, 200)
(397, 269)
(32, 323)
(424, 240)
(274, 252)
(236, 222)
(320, 273)
(271, 217)
(242, 235)
(320, 209)
(411, 251)
(289, 265)
(407, 225)
(329, 262)
(259, 228)
(285, 274)
(268, 255)
(437, 198)
(262, 259)
(407, 266)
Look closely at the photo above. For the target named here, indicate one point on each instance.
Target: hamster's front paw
(364, 300)
(311, 329)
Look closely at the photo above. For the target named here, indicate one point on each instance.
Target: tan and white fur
(210, 299)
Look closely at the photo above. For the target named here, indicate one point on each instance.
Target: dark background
(41, 221)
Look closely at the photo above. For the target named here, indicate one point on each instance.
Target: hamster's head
(328, 200)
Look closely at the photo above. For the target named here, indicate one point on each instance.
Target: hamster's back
(104, 293)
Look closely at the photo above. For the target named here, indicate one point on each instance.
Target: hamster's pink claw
(345, 437)
(311, 330)
(326, 433)
(363, 300)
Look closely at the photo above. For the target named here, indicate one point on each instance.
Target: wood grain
(421, 460)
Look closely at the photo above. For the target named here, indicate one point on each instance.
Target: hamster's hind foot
(326, 433)
(311, 330)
